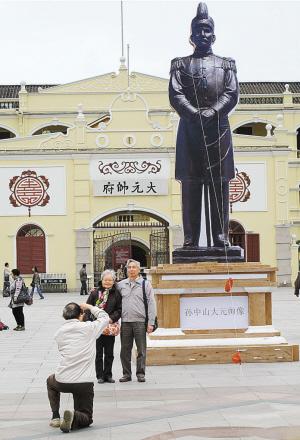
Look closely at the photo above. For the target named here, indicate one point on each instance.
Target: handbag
(155, 325)
(112, 329)
(23, 296)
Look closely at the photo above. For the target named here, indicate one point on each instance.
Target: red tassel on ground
(228, 285)
(236, 358)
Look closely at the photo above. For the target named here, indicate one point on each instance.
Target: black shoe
(125, 379)
(110, 380)
(141, 379)
(101, 380)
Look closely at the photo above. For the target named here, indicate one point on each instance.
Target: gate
(106, 255)
(159, 247)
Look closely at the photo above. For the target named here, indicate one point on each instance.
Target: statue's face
(202, 36)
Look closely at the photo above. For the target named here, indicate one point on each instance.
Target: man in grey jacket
(76, 342)
(133, 326)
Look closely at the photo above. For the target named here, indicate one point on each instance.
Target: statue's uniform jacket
(202, 83)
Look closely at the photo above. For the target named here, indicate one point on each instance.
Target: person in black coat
(107, 297)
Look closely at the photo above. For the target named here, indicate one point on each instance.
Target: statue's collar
(201, 54)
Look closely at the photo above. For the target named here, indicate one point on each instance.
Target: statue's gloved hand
(208, 114)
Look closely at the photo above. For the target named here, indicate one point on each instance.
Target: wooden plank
(257, 309)
(215, 335)
(221, 355)
(295, 352)
(268, 302)
(171, 311)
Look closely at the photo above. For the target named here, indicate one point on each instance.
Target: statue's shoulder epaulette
(179, 63)
(229, 64)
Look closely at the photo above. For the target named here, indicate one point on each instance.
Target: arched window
(248, 241)
(6, 134)
(236, 234)
(51, 129)
(253, 129)
(31, 249)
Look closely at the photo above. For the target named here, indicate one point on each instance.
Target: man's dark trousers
(133, 331)
(83, 288)
(106, 344)
(83, 395)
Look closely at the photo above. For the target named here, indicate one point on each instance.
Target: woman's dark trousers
(104, 345)
(19, 315)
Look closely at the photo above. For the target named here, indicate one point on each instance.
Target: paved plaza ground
(254, 401)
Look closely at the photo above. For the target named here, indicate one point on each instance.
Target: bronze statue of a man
(203, 89)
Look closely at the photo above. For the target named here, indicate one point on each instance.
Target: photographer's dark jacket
(200, 83)
(113, 305)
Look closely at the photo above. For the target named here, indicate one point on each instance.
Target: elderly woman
(108, 298)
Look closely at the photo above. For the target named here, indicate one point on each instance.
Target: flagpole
(122, 30)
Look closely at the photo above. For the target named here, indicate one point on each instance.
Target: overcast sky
(63, 41)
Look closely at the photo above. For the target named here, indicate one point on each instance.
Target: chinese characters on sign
(223, 312)
(130, 187)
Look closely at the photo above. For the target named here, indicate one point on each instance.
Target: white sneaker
(55, 423)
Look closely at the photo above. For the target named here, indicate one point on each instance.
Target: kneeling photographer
(76, 344)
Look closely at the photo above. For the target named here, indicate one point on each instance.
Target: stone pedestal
(200, 323)
(208, 254)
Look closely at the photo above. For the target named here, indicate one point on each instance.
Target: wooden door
(30, 253)
(252, 247)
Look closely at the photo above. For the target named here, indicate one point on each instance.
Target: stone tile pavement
(254, 401)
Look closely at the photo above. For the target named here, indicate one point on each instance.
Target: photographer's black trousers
(83, 395)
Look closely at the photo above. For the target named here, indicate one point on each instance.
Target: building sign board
(125, 177)
(223, 312)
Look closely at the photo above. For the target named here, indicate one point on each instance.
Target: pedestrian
(133, 324)
(83, 280)
(108, 298)
(76, 344)
(297, 285)
(120, 273)
(6, 280)
(17, 309)
(36, 283)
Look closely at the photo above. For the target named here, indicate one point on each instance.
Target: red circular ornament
(29, 191)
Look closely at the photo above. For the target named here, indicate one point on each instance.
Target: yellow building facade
(87, 175)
